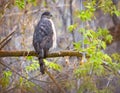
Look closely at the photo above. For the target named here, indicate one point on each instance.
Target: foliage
(22, 3)
(98, 64)
(5, 80)
(95, 42)
(52, 65)
(72, 27)
(116, 60)
(116, 57)
(26, 85)
(33, 66)
(108, 7)
(88, 13)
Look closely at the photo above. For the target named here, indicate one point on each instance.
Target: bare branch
(7, 38)
(8, 35)
(53, 79)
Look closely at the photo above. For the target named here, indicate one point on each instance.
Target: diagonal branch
(7, 38)
(53, 79)
(13, 31)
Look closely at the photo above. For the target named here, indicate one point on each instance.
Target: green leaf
(116, 56)
(89, 34)
(117, 13)
(103, 44)
(29, 58)
(108, 38)
(107, 58)
(21, 81)
(31, 1)
(72, 27)
(20, 3)
(6, 78)
(33, 66)
(52, 65)
(7, 74)
(81, 30)
(77, 46)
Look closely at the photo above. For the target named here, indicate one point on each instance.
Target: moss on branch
(32, 53)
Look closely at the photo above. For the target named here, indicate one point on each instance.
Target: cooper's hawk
(44, 38)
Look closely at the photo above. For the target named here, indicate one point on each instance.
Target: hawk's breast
(54, 35)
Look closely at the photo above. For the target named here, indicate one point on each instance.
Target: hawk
(44, 38)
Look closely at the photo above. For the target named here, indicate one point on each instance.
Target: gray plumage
(43, 38)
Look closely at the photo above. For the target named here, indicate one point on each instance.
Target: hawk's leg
(45, 53)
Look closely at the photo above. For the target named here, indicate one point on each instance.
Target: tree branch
(53, 79)
(7, 38)
(13, 31)
(32, 53)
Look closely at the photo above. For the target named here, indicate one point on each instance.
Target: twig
(109, 80)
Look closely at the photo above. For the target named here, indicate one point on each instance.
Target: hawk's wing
(42, 38)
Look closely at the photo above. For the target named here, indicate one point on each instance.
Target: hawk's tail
(42, 65)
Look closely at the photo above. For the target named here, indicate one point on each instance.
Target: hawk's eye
(50, 15)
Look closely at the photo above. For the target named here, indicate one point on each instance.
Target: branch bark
(4, 53)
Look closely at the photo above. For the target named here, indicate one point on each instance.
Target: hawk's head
(47, 14)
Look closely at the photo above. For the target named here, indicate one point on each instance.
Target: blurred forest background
(91, 27)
